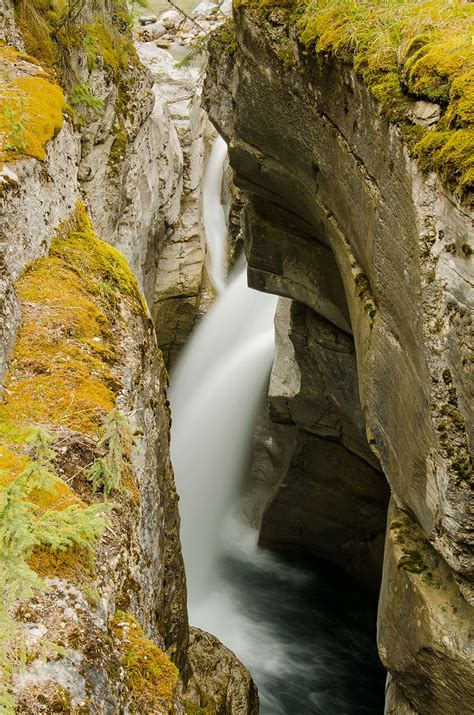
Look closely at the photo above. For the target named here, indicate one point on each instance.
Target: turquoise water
(158, 6)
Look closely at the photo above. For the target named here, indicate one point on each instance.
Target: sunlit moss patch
(32, 105)
(150, 676)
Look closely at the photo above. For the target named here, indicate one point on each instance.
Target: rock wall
(99, 612)
(372, 354)
(182, 289)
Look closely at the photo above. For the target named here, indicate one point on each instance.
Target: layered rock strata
(376, 258)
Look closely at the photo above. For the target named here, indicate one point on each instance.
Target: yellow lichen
(31, 109)
(150, 676)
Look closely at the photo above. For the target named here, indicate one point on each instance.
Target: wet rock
(152, 32)
(219, 681)
(147, 19)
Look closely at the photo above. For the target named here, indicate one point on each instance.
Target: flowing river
(305, 630)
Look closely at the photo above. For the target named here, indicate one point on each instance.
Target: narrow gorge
(235, 357)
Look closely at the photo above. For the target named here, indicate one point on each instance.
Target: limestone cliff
(371, 371)
(93, 612)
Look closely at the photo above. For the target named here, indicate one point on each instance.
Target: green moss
(225, 34)
(414, 557)
(405, 50)
(119, 146)
(286, 55)
(109, 42)
(192, 709)
(51, 30)
(412, 561)
(416, 49)
(365, 294)
(150, 676)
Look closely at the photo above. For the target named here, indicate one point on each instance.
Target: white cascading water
(262, 607)
(216, 391)
(214, 218)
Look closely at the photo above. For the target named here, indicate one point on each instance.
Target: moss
(414, 557)
(405, 51)
(73, 564)
(225, 34)
(119, 146)
(61, 372)
(150, 676)
(365, 294)
(32, 107)
(409, 50)
(192, 709)
(108, 41)
(412, 561)
(286, 55)
(455, 415)
(50, 32)
(451, 155)
(61, 378)
(35, 20)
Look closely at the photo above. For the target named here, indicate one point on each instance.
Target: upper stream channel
(304, 629)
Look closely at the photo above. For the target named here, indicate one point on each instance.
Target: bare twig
(188, 17)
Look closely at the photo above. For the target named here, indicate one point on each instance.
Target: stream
(304, 629)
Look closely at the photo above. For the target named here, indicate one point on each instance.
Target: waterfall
(213, 425)
(273, 612)
(214, 219)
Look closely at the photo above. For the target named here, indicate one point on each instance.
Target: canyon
(361, 456)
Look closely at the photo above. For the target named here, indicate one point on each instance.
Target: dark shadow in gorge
(322, 628)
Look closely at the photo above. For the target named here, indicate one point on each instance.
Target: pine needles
(106, 472)
(25, 525)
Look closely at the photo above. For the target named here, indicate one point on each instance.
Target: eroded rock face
(430, 654)
(219, 682)
(181, 288)
(312, 174)
(339, 219)
(328, 493)
(8, 29)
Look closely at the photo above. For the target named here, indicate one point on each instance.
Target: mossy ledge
(405, 51)
(58, 419)
(51, 29)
